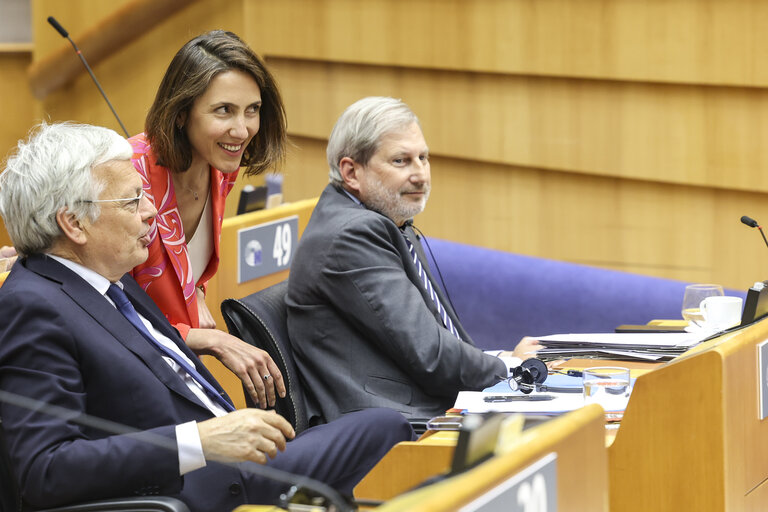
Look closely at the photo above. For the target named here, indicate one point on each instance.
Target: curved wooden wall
(616, 133)
(16, 103)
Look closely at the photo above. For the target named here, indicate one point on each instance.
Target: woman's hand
(259, 373)
(204, 315)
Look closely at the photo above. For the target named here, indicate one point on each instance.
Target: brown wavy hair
(188, 76)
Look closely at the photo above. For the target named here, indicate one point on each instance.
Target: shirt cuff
(190, 447)
(509, 361)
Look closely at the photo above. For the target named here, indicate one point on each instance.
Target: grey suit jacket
(364, 330)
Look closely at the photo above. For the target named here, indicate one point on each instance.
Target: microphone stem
(761, 232)
(88, 68)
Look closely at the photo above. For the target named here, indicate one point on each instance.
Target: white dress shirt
(187, 436)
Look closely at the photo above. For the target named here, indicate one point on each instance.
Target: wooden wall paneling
(17, 106)
(554, 117)
(680, 41)
(687, 233)
(668, 133)
(16, 102)
(131, 76)
(306, 171)
(673, 231)
(75, 16)
(117, 30)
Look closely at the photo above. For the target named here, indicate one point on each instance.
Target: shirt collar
(356, 200)
(99, 282)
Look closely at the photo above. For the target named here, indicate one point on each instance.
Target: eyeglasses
(131, 202)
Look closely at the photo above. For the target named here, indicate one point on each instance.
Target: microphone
(58, 27)
(749, 221)
(55, 24)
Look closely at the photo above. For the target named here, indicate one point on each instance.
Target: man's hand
(525, 349)
(7, 251)
(8, 255)
(246, 434)
(249, 363)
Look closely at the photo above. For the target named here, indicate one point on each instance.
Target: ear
(71, 226)
(180, 120)
(349, 170)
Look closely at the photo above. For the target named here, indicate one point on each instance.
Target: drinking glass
(608, 386)
(694, 294)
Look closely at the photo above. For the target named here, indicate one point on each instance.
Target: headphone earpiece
(524, 377)
(537, 368)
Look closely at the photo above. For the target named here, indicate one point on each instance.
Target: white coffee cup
(721, 312)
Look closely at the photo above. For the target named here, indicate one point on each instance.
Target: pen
(517, 398)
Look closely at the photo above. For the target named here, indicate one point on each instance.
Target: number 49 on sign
(253, 246)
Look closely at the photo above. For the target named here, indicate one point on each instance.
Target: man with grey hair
(78, 333)
(368, 325)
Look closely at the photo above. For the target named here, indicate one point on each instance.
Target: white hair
(358, 131)
(52, 170)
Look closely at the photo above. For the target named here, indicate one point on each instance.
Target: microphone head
(55, 24)
(749, 221)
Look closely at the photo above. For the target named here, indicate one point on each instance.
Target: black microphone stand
(55, 24)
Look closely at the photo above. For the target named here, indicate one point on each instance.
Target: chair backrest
(261, 320)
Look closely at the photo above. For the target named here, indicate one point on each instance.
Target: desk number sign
(534, 489)
(266, 248)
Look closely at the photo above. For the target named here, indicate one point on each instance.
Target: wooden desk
(224, 284)
(406, 465)
(690, 438)
(578, 440)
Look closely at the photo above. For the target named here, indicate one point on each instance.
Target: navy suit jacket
(63, 343)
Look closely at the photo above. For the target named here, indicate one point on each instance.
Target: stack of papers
(620, 346)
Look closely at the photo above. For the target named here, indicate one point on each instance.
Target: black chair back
(261, 320)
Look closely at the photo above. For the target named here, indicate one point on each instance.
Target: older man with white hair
(80, 334)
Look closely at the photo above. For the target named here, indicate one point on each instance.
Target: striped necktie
(129, 312)
(447, 322)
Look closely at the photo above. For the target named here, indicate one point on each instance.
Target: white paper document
(658, 339)
(474, 402)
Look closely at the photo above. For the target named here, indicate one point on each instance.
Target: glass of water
(694, 294)
(608, 386)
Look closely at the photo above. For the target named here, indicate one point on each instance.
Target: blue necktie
(430, 289)
(126, 308)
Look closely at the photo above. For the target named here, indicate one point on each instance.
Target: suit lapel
(149, 310)
(341, 199)
(97, 306)
(411, 234)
